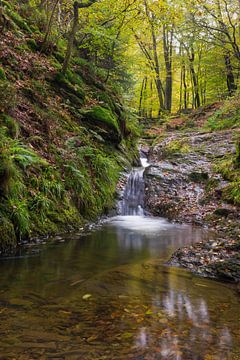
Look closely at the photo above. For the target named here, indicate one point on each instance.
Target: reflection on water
(136, 307)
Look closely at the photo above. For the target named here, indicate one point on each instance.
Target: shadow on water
(109, 296)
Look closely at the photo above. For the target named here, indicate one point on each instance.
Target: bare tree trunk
(151, 100)
(232, 87)
(158, 81)
(196, 97)
(167, 47)
(145, 98)
(141, 96)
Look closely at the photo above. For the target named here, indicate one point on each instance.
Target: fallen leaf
(86, 296)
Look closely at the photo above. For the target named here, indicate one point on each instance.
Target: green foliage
(91, 180)
(72, 85)
(20, 217)
(7, 234)
(6, 4)
(229, 168)
(227, 117)
(237, 158)
(231, 192)
(177, 146)
(105, 120)
(11, 125)
(2, 74)
(7, 96)
(32, 44)
(18, 20)
(24, 156)
(63, 122)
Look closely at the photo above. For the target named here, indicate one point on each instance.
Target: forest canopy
(164, 55)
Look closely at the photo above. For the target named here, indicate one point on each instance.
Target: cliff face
(64, 138)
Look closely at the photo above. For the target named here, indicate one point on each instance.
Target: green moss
(176, 146)
(11, 125)
(74, 91)
(231, 192)
(104, 119)
(7, 235)
(7, 96)
(227, 117)
(32, 44)
(237, 158)
(2, 74)
(198, 176)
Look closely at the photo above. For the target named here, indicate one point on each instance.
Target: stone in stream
(183, 186)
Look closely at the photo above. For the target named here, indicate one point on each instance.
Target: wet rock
(198, 176)
(183, 186)
(225, 212)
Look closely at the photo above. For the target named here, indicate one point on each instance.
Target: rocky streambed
(183, 185)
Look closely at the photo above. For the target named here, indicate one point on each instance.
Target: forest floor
(186, 183)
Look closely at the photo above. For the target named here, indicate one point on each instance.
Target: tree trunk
(140, 113)
(158, 81)
(167, 47)
(49, 26)
(151, 100)
(185, 87)
(196, 96)
(71, 38)
(232, 87)
(73, 32)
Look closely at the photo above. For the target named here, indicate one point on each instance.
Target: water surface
(108, 295)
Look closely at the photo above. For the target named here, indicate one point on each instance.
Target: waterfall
(132, 202)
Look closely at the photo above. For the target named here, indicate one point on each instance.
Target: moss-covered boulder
(104, 122)
(7, 235)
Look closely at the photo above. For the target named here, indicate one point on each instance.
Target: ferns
(24, 156)
(20, 217)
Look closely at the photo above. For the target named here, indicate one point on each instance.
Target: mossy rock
(198, 176)
(228, 270)
(7, 235)
(223, 212)
(104, 122)
(74, 92)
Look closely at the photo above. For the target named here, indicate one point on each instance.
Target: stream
(108, 295)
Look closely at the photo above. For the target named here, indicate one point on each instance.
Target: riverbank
(187, 183)
(65, 137)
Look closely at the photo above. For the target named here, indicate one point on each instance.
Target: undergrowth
(227, 117)
(64, 138)
(230, 170)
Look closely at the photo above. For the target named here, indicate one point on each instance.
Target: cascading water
(132, 202)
